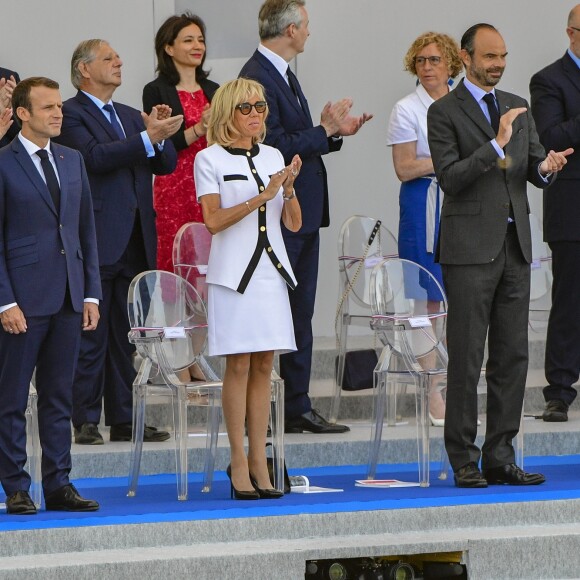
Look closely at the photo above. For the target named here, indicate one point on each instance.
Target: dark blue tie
(51, 179)
(493, 112)
(114, 122)
(295, 86)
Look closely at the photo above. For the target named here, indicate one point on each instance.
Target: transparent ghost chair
(413, 333)
(169, 328)
(362, 243)
(191, 247)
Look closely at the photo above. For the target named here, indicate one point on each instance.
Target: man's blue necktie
(294, 86)
(114, 122)
(493, 112)
(51, 179)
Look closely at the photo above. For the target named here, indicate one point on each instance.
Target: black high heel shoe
(270, 493)
(237, 494)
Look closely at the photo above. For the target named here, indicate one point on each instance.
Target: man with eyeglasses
(283, 28)
(485, 148)
(555, 102)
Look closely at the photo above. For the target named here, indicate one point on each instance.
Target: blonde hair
(221, 128)
(447, 45)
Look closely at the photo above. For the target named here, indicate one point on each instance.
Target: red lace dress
(174, 197)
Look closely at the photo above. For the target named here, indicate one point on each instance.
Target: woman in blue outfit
(434, 59)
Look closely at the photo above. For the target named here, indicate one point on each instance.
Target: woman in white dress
(244, 189)
(434, 59)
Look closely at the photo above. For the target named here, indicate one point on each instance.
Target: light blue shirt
(574, 58)
(144, 136)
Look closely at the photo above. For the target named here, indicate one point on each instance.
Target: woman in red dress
(183, 85)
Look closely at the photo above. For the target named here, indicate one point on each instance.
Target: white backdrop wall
(355, 49)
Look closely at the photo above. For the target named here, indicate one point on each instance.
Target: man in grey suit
(485, 148)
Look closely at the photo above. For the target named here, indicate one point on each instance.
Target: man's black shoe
(20, 504)
(124, 432)
(68, 499)
(313, 422)
(88, 434)
(469, 476)
(556, 411)
(511, 474)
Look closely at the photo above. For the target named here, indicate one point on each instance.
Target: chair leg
(213, 427)
(139, 400)
(34, 455)
(339, 372)
(422, 401)
(381, 380)
(180, 423)
(277, 429)
(444, 466)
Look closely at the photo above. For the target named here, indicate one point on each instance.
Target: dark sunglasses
(246, 108)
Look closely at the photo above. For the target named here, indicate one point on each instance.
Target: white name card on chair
(174, 332)
(419, 321)
(372, 261)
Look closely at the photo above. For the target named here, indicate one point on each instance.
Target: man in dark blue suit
(555, 104)
(8, 80)
(122, 148)
(283, 27)
(49, 289)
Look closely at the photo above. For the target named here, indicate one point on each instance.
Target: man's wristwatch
(289, 197)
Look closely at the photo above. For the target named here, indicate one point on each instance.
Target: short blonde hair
(221, 128)
(447, 45)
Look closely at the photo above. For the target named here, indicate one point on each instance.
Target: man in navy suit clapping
(122, 149)
(283, 26)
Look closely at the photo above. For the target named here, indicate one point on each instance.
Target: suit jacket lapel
(571, 70)
(32, 173)
(281, 82)
(472, 109)
(97, 114)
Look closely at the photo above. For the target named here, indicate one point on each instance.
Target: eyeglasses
(422, 60)
(246, 108)
(574, 28)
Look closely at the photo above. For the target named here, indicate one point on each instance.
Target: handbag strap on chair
(353, 280)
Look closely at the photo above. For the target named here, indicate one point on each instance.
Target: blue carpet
(156, 496)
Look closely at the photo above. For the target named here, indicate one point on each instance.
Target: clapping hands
(160, 125)
(555, 161)
(6, 88)
(336, 118)
(5, 121)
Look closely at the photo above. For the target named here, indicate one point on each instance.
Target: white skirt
(257, 320)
